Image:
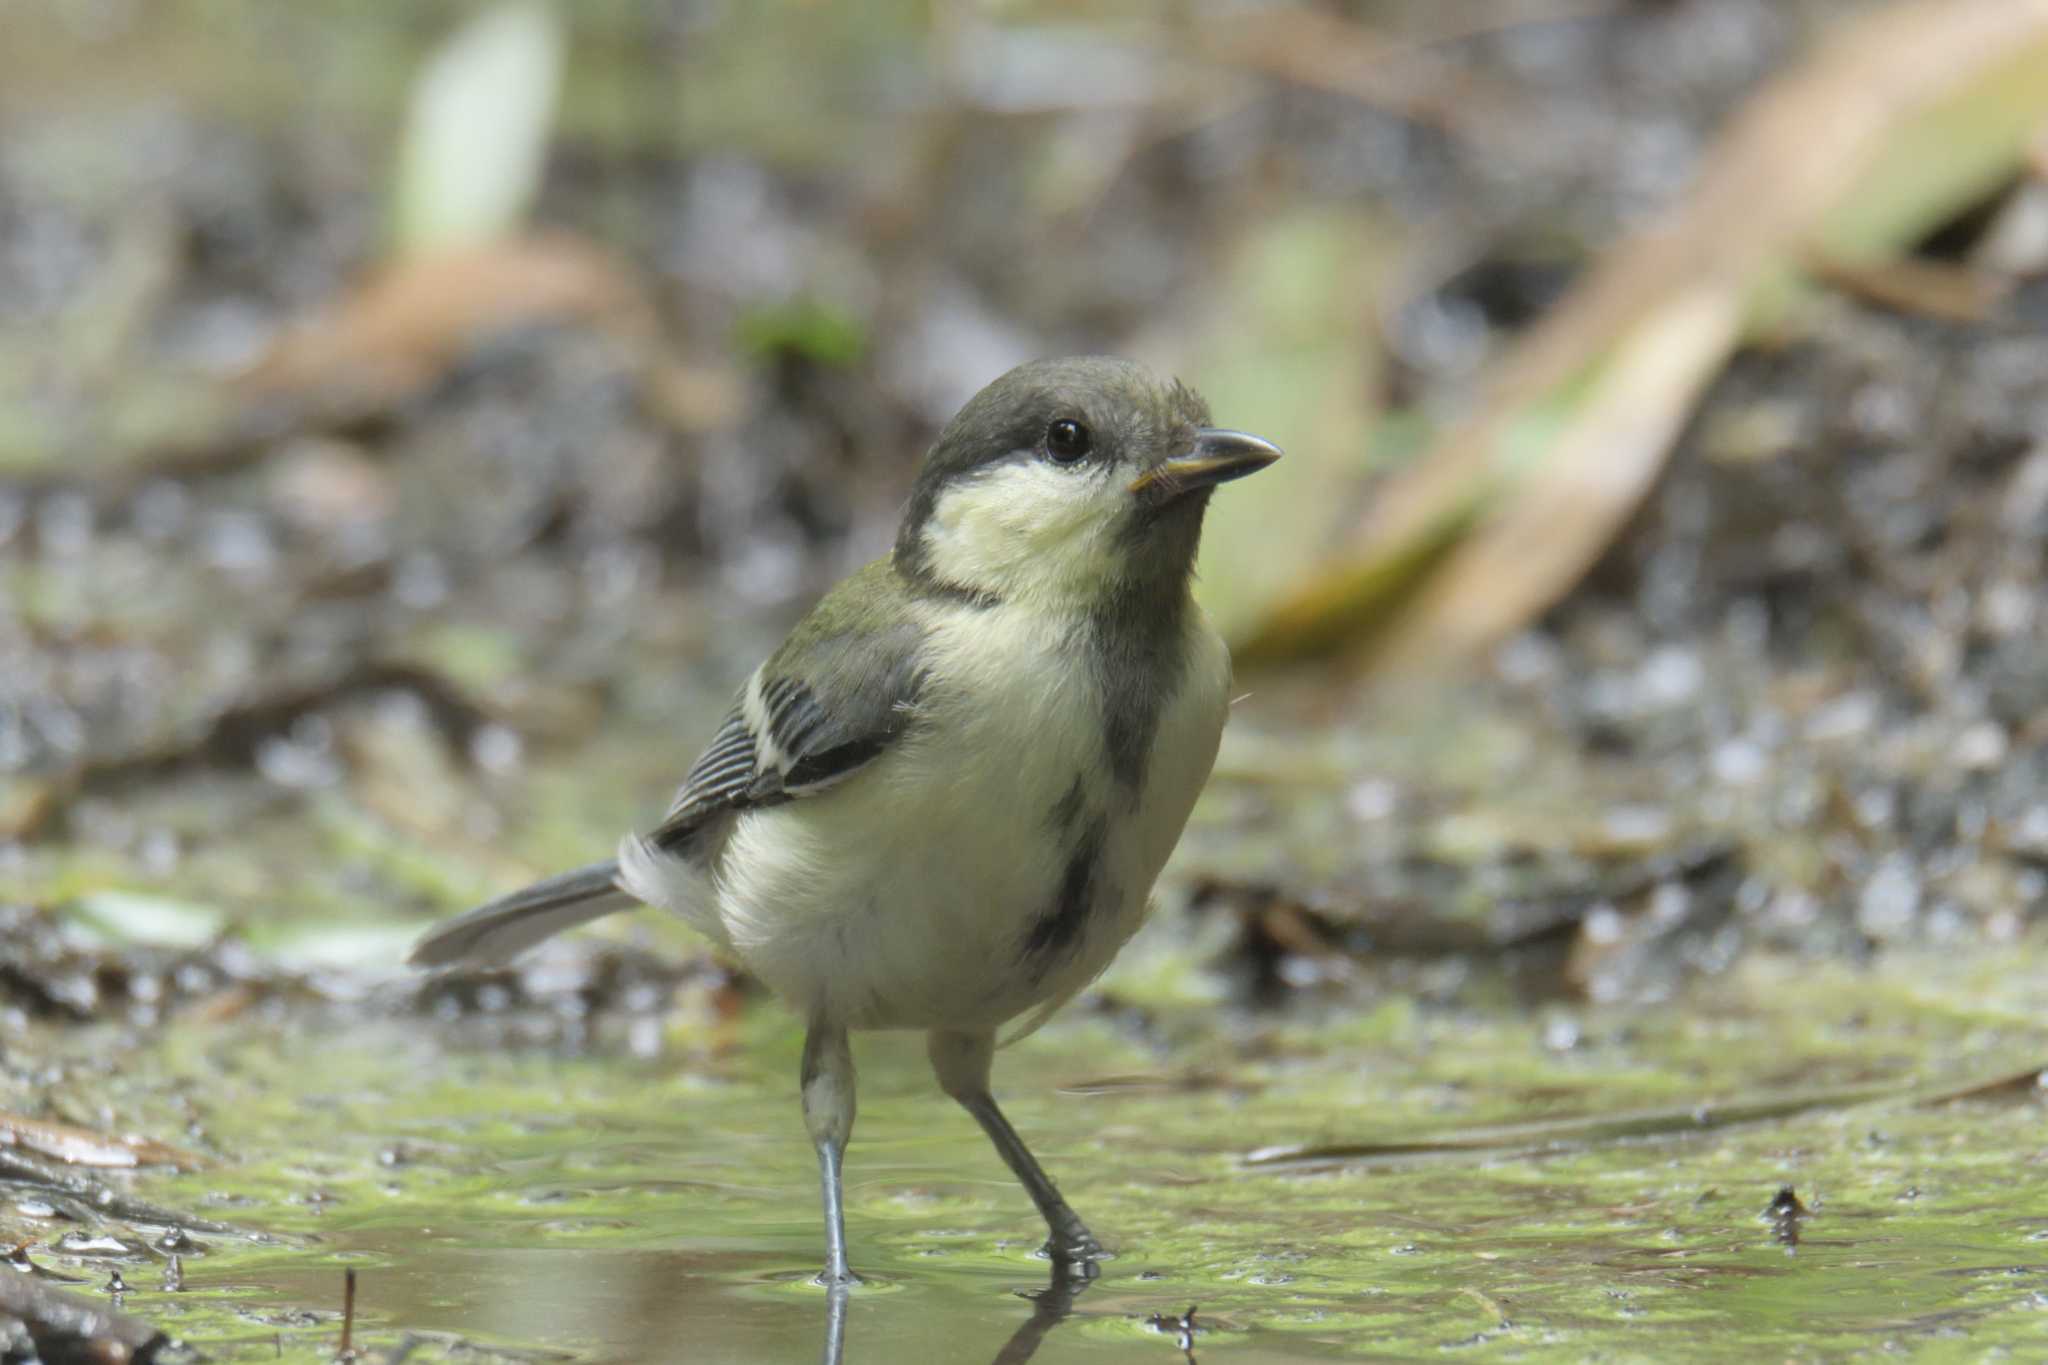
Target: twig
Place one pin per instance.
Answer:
(1322, 52)
(348, 1315)
(1586, 1130)
(234, 734)
(20, 1168)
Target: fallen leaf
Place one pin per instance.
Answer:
(129, 918)
(477, 131)
(404, 326)
(1928, 289)
(83, 1147)
(1892, 126)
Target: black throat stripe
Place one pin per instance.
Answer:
(1134, 649)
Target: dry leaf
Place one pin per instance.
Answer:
(1928, 289)
(404, 326)
(1894, 124)
(83, 1147)
(476, 134)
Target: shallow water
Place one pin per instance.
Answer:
(604, 1207)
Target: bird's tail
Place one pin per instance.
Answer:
(508, 926)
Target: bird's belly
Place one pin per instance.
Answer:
(904, 905)
(951, 884)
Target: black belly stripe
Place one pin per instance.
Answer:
(1060, 927)
(1066, 812)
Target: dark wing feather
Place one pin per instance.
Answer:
(829, 702)
(716, 781)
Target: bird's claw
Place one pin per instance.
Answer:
(1077, 1250)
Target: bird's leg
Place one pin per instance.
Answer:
(961, 1062)
(828, 1114)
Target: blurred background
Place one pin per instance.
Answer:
(416, 419)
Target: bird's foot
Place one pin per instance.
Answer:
(842, 1278)
(1076, 1249)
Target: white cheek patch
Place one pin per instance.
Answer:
(1026, 528)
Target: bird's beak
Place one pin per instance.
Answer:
(1219, 456)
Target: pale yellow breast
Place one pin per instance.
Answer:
(900, 898)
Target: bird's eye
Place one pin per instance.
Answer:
(1067, 440)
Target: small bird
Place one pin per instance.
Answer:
(942, 802)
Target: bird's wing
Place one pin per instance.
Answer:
(841, 689)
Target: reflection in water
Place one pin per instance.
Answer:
(835, 1322)
(1049, 1307)
(1785, 1214)
(1183, 1329)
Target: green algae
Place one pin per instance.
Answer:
(614, 1206)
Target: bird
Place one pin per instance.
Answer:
(942, 802)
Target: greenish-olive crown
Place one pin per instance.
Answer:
(1091, 414)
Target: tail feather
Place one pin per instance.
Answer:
(508, 926)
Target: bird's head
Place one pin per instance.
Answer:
(1066, 480)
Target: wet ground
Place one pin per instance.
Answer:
(1491, 1021)
(591, 1203)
